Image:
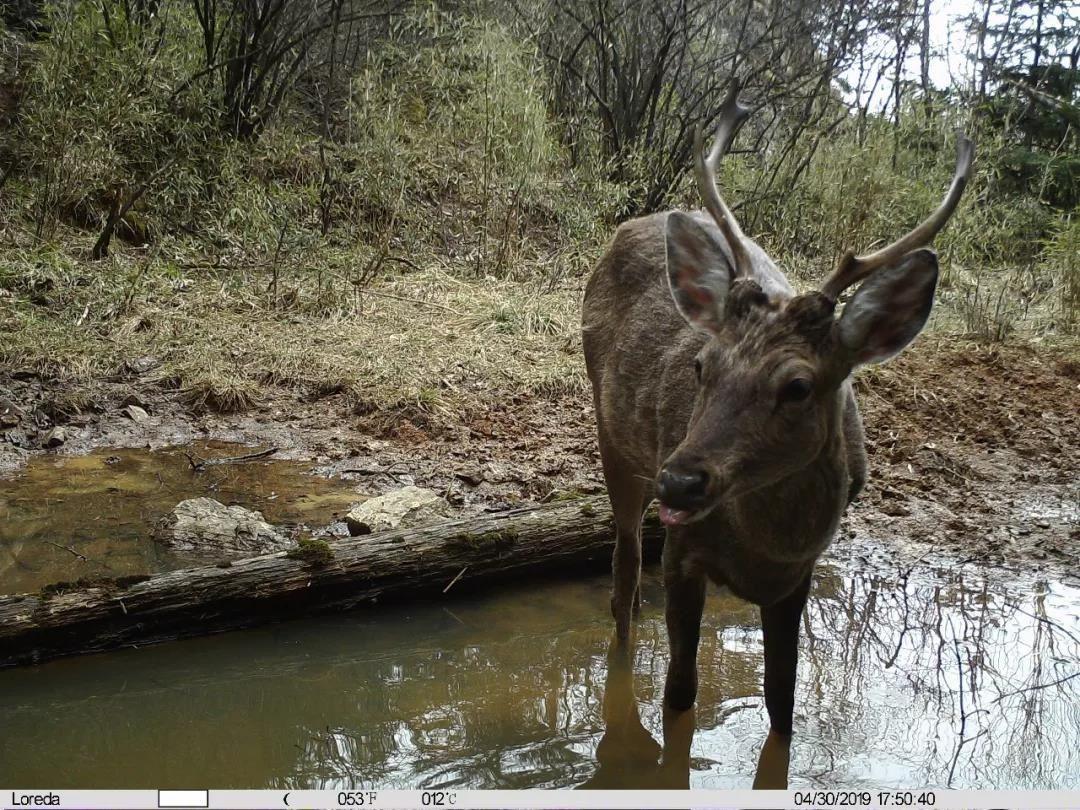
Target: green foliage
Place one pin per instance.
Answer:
(98, 118)
(866, 183)
(1063, 256)
(1035, 114)
(444, 139)
(450, 142)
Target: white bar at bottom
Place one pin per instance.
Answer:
(449, 799)
(183, 798)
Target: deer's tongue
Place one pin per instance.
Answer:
(672, 517)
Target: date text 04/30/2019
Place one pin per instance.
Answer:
(864, 798)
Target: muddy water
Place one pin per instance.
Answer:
(103, 506)
(915, 677)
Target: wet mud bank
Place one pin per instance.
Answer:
(973, 449)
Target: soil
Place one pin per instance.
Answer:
(974, 450)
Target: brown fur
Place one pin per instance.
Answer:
(788, 473)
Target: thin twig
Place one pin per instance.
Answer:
(453, 616)
(1045, 620)
(68, 549)
(1037, 686)
(963, 716)
(404, 261)
(388, 472)
(461, 573)
(411, 300)
(201, 464)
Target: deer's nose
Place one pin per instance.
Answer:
(682, 488)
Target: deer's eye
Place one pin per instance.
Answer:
(697, 369)
(796, 390)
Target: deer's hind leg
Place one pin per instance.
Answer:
(627, 493)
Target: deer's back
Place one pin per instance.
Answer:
(631, 335)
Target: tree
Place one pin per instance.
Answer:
(1029, 90)
(650, 71)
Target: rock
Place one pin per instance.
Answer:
(141, 365)
(10, 414)
(135, 413)
(204, 526)
(135, 398)
(402, 508)
(497, 472)
(473, 477)
(55, 437)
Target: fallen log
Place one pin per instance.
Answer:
(438, 561)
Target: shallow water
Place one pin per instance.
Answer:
(927, 677)
(103, 506)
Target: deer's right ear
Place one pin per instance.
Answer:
(699, 272)
(889, 309)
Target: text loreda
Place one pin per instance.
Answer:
(35, 799)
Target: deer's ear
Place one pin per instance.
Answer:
(698, 271)
(889, 309)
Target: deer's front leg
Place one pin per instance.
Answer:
(685, 599)
(780, 625)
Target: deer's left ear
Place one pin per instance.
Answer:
(698, 270)
(889, 309)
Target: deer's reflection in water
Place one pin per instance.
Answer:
(629, 757)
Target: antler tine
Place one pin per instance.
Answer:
(732, 114)
(853, 269)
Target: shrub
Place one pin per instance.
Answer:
(98, 124)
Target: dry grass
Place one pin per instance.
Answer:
(428, 338)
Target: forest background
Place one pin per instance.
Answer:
(397, 204)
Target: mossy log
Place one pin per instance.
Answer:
(440, 561)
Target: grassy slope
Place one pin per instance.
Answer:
(455, 265)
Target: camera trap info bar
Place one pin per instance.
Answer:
(375, 799)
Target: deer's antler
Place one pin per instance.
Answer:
(732, 114)
(853, 269)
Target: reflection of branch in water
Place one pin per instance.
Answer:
(963, 714)
(938, 632)
(1038, 686)
(904, 627)
(1043, 619)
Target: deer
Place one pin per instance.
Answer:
(727, 397)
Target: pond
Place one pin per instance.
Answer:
(66, 517)
(927, 676)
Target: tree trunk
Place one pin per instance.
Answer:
(455, 557)
(924, 57)
(101, 246)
